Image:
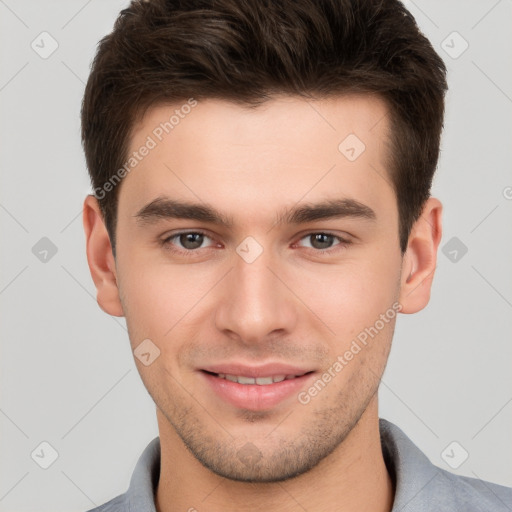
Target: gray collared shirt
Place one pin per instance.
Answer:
(420, 486)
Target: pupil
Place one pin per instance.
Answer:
(321, 240)
(191, 240)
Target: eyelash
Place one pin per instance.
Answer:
(166, 243)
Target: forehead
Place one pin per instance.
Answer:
(258, 159)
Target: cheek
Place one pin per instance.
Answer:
(353, 295)
(157, 297)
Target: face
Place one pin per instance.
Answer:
(256, 245)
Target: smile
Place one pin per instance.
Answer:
(256, 392)
(260, 381)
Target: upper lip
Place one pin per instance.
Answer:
(265, 370)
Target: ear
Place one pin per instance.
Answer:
(101, 260)
(420, 258)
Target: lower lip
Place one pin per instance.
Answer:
(253, 396)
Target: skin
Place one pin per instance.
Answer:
(296, 303)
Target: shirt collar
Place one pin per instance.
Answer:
(413, 475)
(140, 496)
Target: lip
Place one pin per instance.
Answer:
(266, 370)
(256, 397)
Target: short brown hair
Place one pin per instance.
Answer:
(163, 51)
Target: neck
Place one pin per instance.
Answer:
(352, 477)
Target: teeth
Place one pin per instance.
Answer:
(261, 381)
(246, 380)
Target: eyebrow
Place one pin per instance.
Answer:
(167, 208)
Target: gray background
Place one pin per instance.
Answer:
(67, 374)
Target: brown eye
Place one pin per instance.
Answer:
(186, 242)
(191, 241)
(321, 240)
(324, 242)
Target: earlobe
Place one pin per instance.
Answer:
(100, 258)
(420, 259)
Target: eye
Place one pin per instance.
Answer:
(187, 241)
(322, 241)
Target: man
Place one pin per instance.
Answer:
(261, 214)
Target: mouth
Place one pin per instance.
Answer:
(256, 389)
(259, 381)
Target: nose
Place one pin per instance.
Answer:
(257, 303)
